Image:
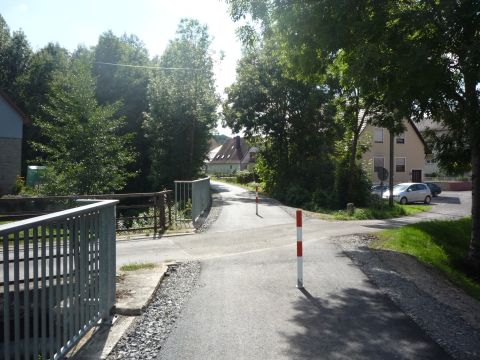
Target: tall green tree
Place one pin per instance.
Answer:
(182, 106)
(34, 85)
(84, 153)
(127, 84)
(293, 119)
(15, 54)
(308, 52)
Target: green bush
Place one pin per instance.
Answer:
(245, 177)
(360, 194)
(296, 196)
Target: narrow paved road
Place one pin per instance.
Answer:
(247, 306)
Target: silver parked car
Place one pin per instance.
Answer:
(410, 192)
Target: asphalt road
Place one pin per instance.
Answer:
(247, 306)
(238, 230)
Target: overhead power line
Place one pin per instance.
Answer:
(148, 67)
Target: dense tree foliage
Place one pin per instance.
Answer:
(293, 121)
(127, 84)
(179, 106)
(84, 153)
(15, 54)
(182, 106)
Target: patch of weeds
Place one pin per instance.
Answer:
(137, 266)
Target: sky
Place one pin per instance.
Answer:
(71, 23)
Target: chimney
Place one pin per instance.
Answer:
(238, 147)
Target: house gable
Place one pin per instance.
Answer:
(409, 152)
(11, 118)
(231, 152)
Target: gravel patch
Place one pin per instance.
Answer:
(146, 336)
(213, 213)
(447, 314)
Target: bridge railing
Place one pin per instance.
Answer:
(192, 198)
(136, 212)
(60, 283)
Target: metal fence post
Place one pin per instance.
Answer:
(103, 265)
(169, 204)
(162, 212)
(155, 215)
(112, 254)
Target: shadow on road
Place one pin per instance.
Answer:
(356, 324)
(446, 200)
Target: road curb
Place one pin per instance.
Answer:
(138, 307)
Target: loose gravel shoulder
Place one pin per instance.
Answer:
(447, 314)
(213, 213)
(147, 335)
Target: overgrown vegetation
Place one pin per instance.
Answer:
(440, 244)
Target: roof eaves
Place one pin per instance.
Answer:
(25, 118)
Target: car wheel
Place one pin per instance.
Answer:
(434, 194)
(427, 200)
(403, 200)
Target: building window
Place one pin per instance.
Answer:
(378, 163)
(401, 138)
(400, 164)
(430, 162)
(378, 135)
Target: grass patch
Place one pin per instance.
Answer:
(384, 212)
(233, 180)
(137, 266)
(441, 244)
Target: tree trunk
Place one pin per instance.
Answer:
(390, 169)
(472, 117)
(351, 166)
(474, 248)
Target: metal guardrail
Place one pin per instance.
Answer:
(192, 198)
(66, 283)
(135, 211)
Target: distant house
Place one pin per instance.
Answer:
(12, 120)
(431, 167)
(410, 153)
(234, 155)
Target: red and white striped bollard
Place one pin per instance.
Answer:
(299, 251)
